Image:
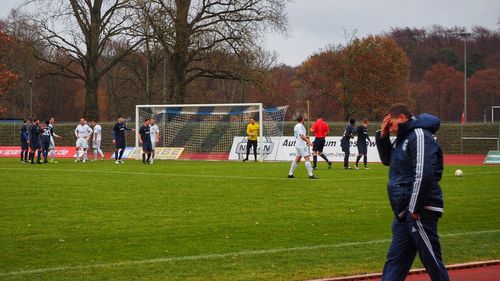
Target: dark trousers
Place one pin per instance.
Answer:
(408, 238)
(250, 144)
(347, 153)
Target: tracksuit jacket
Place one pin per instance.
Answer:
(416, 166)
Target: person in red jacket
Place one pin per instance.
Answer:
(320, 129)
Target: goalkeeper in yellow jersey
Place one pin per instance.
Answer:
(252, 135)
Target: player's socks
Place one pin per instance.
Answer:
(255, 154)
(149, 158)
(357, 159)
(38, 156)
(32, 156)
(365, 160)
(78, 154)
(315, 161)
(324, 157)
(116, 154)
(25, 156)
(292, 168)
(309, 168)
(144, 158)
(52, 154)
(121, 154)
(22, 155)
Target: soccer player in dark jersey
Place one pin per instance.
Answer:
(47, 135)
(24, 142)
(145, 140)
(345, 142)
(320, 129)
(119, 139)
(34, 141)
(362, 132)
(52, 148)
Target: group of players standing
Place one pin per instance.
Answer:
(38, 138)
(321, 129)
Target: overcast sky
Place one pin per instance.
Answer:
(317, 23)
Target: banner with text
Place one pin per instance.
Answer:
(162, 153)
(15, 151)
(283, 149)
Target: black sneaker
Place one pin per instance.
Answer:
(245, 160)
(313, 177)
(291, 176)
(330, 165)
(347, 168)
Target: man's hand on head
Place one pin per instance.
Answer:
(384, 127)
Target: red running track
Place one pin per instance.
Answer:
(485, 273)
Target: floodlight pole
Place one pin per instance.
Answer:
(31, 98)
(464, 36)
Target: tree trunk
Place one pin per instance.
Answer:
(91, 99)
(179, 58)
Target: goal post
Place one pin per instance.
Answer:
(207, 131)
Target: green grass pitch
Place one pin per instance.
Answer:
(179, 220)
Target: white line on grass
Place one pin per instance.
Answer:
(186, 175)
(209, 176)
(224, 255)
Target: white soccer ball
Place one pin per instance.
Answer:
(459, 173)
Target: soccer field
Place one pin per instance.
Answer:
(219, 220)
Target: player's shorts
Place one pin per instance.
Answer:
(345, 144)
(35, 144)
(318, 144)
(82, 143)
(252, 143)
(303, 151)
(362, 148)
(96, 144)
(52, 143)
(45, 144)
(24, 144)
(120, 144)
(147, 147)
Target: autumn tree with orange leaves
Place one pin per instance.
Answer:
(361, 79)
(7, 77)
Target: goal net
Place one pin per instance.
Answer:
(206, 131)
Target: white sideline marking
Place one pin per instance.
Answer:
(225, 255)
(211, 176)
(188, 175)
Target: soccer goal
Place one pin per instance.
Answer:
(207, 131)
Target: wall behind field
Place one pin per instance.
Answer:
(448, 136)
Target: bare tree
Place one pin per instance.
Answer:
(195, 32)
(83, 30)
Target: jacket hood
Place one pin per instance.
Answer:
(425, 121)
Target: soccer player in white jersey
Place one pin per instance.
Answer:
(52, 147)
(97, 140)
(154, 133)
(302, 144)
(82, 133)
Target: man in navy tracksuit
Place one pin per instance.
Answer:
(416, 166)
